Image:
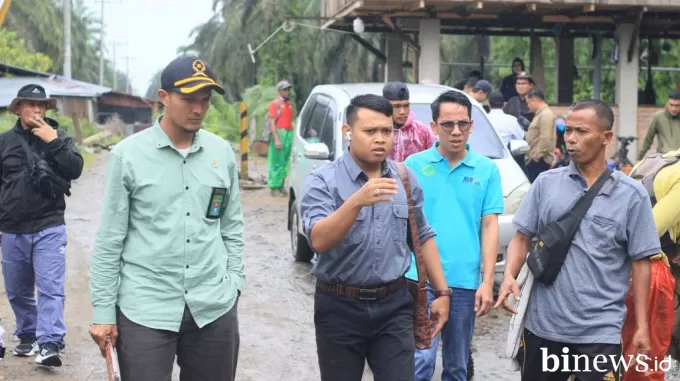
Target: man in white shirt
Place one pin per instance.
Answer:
(506, 125)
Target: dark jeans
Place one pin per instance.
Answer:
(350, 332)
(203, 354)
(543, 360)
(535, 168)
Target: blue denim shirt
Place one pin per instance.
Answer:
(375, 249)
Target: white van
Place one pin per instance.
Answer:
(318, 140)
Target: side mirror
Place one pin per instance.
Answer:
(518, 147)
(316, 151)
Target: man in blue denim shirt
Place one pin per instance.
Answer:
(355, 216)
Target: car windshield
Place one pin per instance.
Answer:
(483, 140)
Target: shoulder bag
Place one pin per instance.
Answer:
(547, 256)
(421, 319)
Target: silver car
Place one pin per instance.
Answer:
(318, 140)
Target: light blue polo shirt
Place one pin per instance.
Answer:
(456, 199)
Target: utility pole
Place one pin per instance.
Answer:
(127, 59)
(101, 48)
(67, 38)
(113, 64)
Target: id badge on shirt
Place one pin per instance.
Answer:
(218, 199)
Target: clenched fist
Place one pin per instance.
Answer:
(375, 190)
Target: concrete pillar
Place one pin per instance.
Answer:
(536, 65)
(564, 93)
(596, 44)
(429, 61)
(627, 86)
(394, 70)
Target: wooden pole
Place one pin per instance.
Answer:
(76, 128)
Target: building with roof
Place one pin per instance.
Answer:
(417, 25)
(84, 100)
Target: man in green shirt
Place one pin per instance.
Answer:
(665, 127)
(167, 266)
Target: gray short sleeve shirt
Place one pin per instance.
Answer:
(375, 250)
(586, 303)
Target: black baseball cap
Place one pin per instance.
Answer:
(483, 86)
(396, 91)
(188, 74)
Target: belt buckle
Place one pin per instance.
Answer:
(368, 294)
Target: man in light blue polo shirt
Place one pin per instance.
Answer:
(463, 198)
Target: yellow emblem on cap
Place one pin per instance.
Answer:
(214, 163)
(199, 67)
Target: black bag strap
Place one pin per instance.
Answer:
(581, 207)
(29, 154)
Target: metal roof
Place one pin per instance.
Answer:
(55, 86)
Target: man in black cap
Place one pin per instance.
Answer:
(410, 135)
(167, 265)
(37, 164)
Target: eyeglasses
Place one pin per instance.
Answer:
(463, 125)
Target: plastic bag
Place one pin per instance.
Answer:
(661, 319)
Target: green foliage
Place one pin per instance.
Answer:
(222, 119)
(13, 51)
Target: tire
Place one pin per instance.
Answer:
(471, 367)
(299, 245)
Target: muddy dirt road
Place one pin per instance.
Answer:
(275, 311)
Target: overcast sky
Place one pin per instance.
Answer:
(149, 32)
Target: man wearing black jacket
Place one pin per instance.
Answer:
(32, 222)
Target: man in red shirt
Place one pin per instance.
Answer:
(281, 124)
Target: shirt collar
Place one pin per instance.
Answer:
(606, 189)
(162, 140)
(434, 156)
(355, 171)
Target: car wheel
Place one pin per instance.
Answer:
(301, 250)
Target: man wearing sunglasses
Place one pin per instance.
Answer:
(463, 199)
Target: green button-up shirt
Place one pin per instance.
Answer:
(156, 252)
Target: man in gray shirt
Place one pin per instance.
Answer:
(355, 216)
(582, 312)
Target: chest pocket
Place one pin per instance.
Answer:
(399, 221)
(604, 232)
(359, 230)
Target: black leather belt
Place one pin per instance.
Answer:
(363, 293)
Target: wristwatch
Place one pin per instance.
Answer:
(444, 292)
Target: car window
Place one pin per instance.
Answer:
(483, 139)
(327, 130)
(307, 113)
(313, 129)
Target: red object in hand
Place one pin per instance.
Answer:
(661, 318)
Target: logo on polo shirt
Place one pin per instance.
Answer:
(428, 170)
(471, 180)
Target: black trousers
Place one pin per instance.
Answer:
(350, 332)
(543, 360)
(203, 354)
(535, 168)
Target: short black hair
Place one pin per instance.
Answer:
(674, 96)
(450, 96)
(369, 101)
(602, 111)
(496, 100)
(536, 93)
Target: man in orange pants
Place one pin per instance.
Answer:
(661, 176)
